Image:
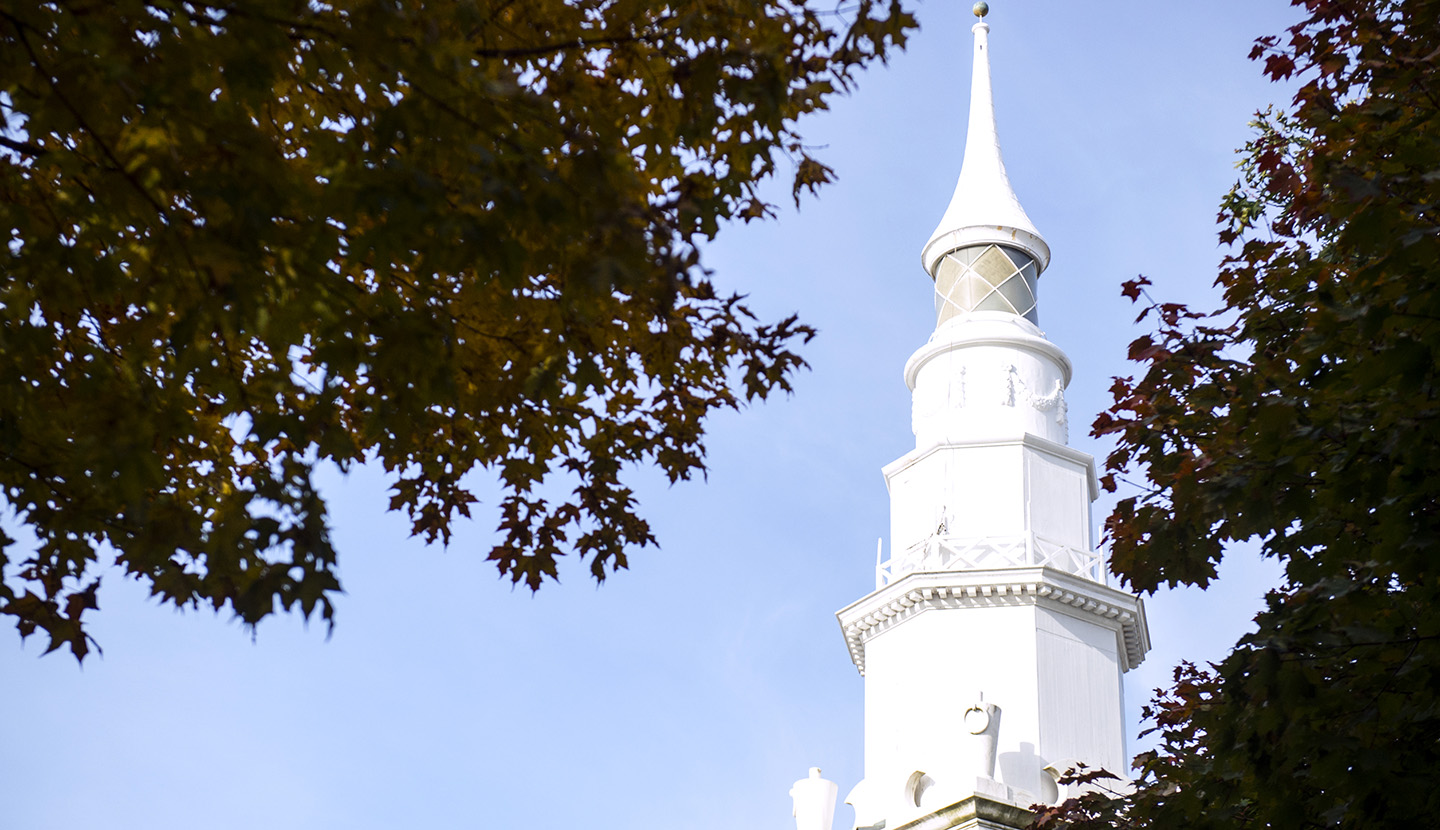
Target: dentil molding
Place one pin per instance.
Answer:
(916, 593)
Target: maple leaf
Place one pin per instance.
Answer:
(1305, 424)
(350, 232)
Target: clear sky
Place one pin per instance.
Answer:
(692, 690)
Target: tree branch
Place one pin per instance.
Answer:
(22, 147)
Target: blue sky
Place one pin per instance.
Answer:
(692, 690)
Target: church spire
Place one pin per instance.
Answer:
(984, 210)
(994, 591)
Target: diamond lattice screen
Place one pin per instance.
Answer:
(986, 278)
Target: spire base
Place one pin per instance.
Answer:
(1027, 241)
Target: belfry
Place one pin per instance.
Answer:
(992, 647)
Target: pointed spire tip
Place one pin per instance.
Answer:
(984, 208)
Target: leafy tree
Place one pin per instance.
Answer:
(247, 238)
(1304, 414)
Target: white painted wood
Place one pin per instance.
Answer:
(993, 590)
(813, 802)
(984, 208)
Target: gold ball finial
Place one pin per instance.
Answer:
(981, 9)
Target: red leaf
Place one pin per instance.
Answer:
(1134, 288)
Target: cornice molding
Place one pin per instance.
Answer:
(981, 331)
(976, 811)
(974, 235)
(916, 593)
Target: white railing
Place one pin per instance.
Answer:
(956, 553)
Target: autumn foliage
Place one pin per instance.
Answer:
(248, 239)
(1305, 415)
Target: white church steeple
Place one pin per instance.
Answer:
(993, 600)
(984, 208)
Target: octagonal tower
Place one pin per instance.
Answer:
(992, 647)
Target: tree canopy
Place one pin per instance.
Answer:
(249, 238)
(1304, 414)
